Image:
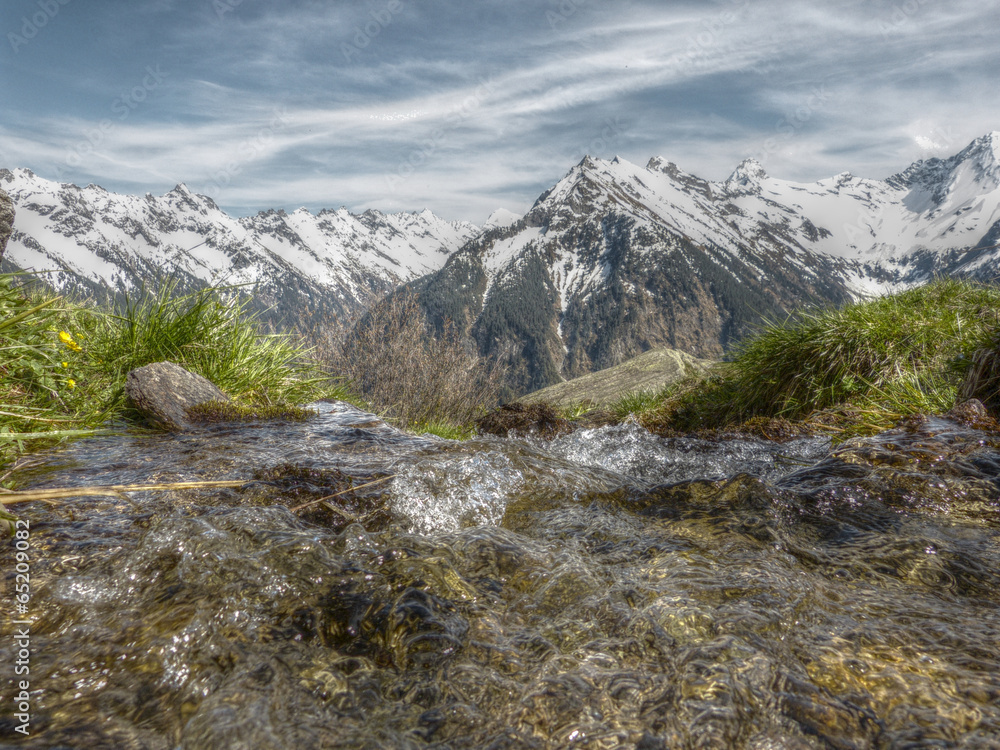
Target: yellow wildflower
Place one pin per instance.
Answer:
(64, 364)
(70, 343)
(71, 383)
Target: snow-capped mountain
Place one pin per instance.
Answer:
(297, 264)
(613, 260)
(878, 226)
(618, 258)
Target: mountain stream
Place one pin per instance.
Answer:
(367, 588)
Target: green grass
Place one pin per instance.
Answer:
(44, 382)
(575, 410)
(63, 365)
(637, 402)
(211, 336)
(865, 365)
(443, 429)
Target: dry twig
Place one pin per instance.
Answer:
(55, 493)
(342, 492)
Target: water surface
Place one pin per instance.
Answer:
(608, 589)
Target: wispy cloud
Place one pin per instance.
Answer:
(462, 107)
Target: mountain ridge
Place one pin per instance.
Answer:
(616, 259)
(612, 260)
(327, 264)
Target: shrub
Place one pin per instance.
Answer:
(392, 360)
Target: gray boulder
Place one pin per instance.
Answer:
(164, 391)
(6, 220)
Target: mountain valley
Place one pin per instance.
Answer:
(614, 260)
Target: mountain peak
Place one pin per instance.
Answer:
(500, 218)
(985, 150)
(749, 168)
(182, 197)
(746, 178)
(980, 159)
(659, 164)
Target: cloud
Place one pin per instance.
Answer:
(462, 107)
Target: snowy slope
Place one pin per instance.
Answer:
(878, 227)
(613, 260)
(119, 242)
(618, 258)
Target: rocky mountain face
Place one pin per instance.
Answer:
(6, 220)
(614, 260)
(617, 259)
(298, 268)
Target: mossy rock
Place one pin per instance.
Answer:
(537, 419)
(651, 371)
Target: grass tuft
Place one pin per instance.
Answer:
(63, 364)
(871, 363)
(211, 336)
(638, 402)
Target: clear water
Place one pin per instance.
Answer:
(609, 589)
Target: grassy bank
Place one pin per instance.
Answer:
(63, 364)
(852, 370)
(857, 369)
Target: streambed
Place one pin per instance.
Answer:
(606, 589)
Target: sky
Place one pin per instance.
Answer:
(466, 106)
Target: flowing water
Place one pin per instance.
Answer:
(608, 589)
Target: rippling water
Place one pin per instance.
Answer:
(606, 589)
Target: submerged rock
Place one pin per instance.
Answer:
(164, 393)
(973, 413)
(325, 497)
(6, 220)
